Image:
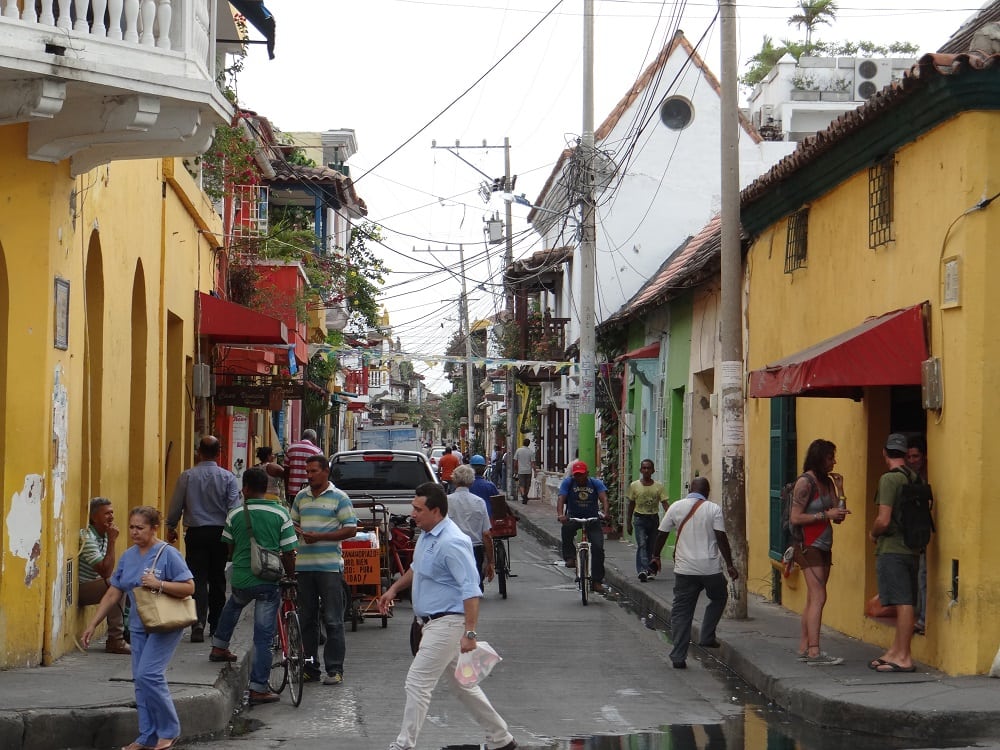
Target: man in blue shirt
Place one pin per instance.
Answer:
(446, 605)
(583, 496)
(482, 486)
(205, 494)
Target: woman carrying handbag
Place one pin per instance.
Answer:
(152, 564)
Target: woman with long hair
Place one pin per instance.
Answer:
(275, 473)
(159, 726)
(817, 500)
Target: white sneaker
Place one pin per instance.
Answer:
(824, 660)
(334, 678)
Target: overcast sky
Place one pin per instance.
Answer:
(386, 68)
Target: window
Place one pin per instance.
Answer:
(880, 179)
(676, 113)
(795, 247)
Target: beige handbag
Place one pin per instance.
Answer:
(161, 612)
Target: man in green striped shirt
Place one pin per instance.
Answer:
(324, 517)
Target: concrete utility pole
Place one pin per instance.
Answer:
(510, 380)
(469, 396)
(463, 313)
(588, 251)
(731, 380)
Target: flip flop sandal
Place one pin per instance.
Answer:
(874, 664)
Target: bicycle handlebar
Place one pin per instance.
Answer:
(586, 520)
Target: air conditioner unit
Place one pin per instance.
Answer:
(870, 77)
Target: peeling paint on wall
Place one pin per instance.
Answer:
(60, 430)
(24, 525)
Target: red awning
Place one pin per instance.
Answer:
(228, 323)
(649, 351)
(882, 351)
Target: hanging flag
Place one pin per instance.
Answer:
(260, 18)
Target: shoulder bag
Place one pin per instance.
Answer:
(264, 563)
(677, 537)
(161, 612)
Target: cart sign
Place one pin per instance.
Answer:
(361, 567)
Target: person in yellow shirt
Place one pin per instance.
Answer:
(645, 497)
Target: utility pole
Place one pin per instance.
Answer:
(463, 323)
(731, 380)
(588, 251)
(486, 190)
(510, 380)
(469, 396)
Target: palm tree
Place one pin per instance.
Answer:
(813, 13)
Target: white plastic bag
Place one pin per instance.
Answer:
(474, 666)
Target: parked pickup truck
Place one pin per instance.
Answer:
(388, 477)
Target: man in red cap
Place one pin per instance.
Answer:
(583, 496)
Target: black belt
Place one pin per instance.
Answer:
(427, 618)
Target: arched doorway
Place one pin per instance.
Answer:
(137, 394)
(93, 371)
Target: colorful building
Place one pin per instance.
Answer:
(868, 279)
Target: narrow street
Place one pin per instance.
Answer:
(568, 671)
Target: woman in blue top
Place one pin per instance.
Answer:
(159, 727)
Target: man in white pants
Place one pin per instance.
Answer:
(446, 604)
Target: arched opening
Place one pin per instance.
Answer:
(4, 326)
(137, 394)
(93, 370)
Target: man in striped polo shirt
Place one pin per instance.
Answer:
(295, 461)
(324, 517)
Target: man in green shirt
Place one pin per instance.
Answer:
(273, 529)
(895, 563)
(645, 497)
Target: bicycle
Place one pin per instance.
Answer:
(501, 563)
(583, 578)
(502, 528)
(288, 660)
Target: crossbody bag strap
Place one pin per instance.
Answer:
(694, 509)
(246, 517)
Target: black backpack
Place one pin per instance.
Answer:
(912, 511)
(794, 532)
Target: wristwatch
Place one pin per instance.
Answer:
(470, 634)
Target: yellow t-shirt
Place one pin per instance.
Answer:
(647, 498)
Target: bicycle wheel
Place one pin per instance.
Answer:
(500, 565)
(583, 571)
(278, 677)
(296, 658)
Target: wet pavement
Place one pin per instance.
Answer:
(86, 700)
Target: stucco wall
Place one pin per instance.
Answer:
(938, 177)
(61, 444)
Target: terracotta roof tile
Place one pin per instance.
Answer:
(929, 68)
(960, 40)
(342, 185)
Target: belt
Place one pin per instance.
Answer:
(427, 618)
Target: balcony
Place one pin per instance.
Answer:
(103, 80)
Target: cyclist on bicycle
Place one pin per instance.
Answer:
(583, 496)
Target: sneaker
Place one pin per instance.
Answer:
(570, 562)
(650, 576)
(334, 678)
(643, 577)
(197, 634)
(311, 675)
(682, 664)
(597, 588)
(824, 660)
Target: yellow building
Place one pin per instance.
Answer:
(97, 306)
(890, 209)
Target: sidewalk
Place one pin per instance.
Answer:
(926, 705)
(87, 700)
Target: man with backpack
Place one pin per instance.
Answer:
(582, 496)
(896, 527)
